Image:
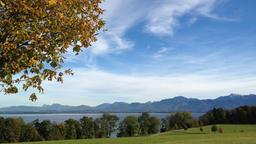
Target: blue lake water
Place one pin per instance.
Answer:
(62, 117)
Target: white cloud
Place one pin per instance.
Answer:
(119, 17)
(110, 43)
(165, 18)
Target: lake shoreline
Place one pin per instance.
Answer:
(85, 112)
(61, 117)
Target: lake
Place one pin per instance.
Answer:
(64, 116)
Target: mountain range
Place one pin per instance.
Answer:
(179, 103)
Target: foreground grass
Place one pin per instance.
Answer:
(233, 134)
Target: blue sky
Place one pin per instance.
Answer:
(157, 49)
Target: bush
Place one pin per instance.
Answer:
(201, 129)
(214, 128)
(180, 120)
(220, 130)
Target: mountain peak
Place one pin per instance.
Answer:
(234, 95)
(180, 98)
(175, 98)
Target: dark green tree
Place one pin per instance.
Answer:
(240, 115)
(73, 129)
(129, 127)
(87, 127)
(55, 133)
(154, 126)
(62, 130)
(214, 128)
(98, 130)
(29, 133)
(181, 120)
(108, 123)
(44, 128)
(144, 122)
(164, 125)
(12, 129)
(2, 125)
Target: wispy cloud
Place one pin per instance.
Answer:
(160, 18)
(161, 52)
(164, 19)
(110, 43)
(119, 17)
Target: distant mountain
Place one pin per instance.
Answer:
(175, 104)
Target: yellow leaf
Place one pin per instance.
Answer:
(61, 15)
(1, 3)
(33, 61)
(52, 2)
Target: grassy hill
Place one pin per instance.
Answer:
(233, 134)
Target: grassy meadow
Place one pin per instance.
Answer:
(232, 134)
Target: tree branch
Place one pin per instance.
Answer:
(23, 44)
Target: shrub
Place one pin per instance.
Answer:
(220, 130)
(214, 128)
(201, 129)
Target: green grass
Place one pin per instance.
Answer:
(232, 135)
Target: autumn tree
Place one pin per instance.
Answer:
(35, 35)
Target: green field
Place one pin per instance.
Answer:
(233, 134)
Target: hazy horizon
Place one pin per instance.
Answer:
(128, 102)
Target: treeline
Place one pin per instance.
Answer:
(146, 124)
(240, 115)
(184, 120)
(16, 130)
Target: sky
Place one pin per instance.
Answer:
(159, 49)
